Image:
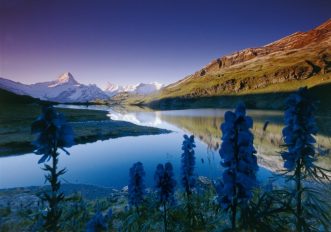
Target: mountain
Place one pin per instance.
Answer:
(138, 89)
(300, 59)
(64, 89)
(144, 89)
(113, 89)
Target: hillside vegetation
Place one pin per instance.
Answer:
(301, 59)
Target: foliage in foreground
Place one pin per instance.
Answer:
(196, 207)
(269, 210)
(299, 160)
(165, 184)
(53, 133)
(240, 163)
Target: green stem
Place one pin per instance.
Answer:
(189, 209)
(137, 209)
(299, 196)
(235, 199)
(53, 216)
(234, 214)
(165, 217)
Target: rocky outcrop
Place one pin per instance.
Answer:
(300, 71)
(324, 62)
(296, 57)
(300, 59)
(297, 40)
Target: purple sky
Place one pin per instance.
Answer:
(127, 42)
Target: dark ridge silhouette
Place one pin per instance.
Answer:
(270, 101)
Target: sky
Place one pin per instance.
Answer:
(128, 42)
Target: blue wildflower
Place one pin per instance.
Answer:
(238, 159)
(97, 223)
(188, 164)
(136, 184)
(165, 183)
(299, 130)
(52, 132)
(110, 213)
(237, 152)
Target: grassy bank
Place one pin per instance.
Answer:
(274, 100)
(88, 126)
(21, 209)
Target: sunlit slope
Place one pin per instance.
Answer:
(301, 59)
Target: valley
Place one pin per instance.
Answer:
(165, 116)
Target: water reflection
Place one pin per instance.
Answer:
(106, 163)
(205, 123)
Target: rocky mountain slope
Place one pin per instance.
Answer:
(64, 89)
(300, 59)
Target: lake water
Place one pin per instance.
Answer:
(107, 163)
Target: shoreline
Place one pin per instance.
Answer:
(88, 125)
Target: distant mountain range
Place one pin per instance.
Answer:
(113, 89)
(138, 89)
(65, 89)
(300, 59)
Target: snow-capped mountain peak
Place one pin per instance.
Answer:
(129, 88)
(157, 85)
(111, 87)
(65, 78)
(141, 88)
(64, 89)
(148, 88)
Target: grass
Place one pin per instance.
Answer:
(81, 205)
(83, 201)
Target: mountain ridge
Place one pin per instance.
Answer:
(64, 89)
(300, 59)
(138, 89)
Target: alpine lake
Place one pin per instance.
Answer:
(106, 162)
